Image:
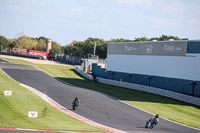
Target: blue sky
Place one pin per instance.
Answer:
(68, 20)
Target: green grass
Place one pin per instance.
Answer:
(168, 108)
(18, 61)
(14, 111)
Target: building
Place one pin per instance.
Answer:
(48, 45)
(170, 65)
(173, 59)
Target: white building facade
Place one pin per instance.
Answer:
(171, 59)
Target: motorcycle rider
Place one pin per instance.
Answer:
(76, 101)
(152, 121)
(156, 119)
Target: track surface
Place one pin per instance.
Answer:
(93, 105)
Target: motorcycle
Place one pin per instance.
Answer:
(150, 124)
(74, 105)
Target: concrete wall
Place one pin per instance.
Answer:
(181, 67)
(166, 93)
(86, 75)
(153, 90)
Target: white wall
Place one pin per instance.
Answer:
(183, 67)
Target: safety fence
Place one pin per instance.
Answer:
(153, 90)
(69, 59)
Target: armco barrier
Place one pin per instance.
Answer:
(153, 90)
(86, 75)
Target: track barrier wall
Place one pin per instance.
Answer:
(134, 86)
(172, 84)
(86, 75)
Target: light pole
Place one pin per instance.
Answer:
(94, 47)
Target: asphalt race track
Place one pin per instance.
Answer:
(93, 105)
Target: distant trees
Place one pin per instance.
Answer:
(165, 37)
(57, 48)
(120, 40)
(139, 39)
(83, 48)
(29, 43)
(52, 53)
(25, 43)
(41, 43)
(11, 43)
(76, 48)
(3, 42)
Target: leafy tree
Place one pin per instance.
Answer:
(120, 40)
(57, 48)
(141, 39)
(82, 49)
(41, 44)
(25, 42)
(102, 50)
(3, 42)
(11, 43)
(165, 37)
(52, 53)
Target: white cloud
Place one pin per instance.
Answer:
(135, 2)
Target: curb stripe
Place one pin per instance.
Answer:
(64, 110)
(68, 112)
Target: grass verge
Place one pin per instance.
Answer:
(168, 108)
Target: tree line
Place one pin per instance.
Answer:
(83, 48)
(76, 48)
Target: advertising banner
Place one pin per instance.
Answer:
(165, 48)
